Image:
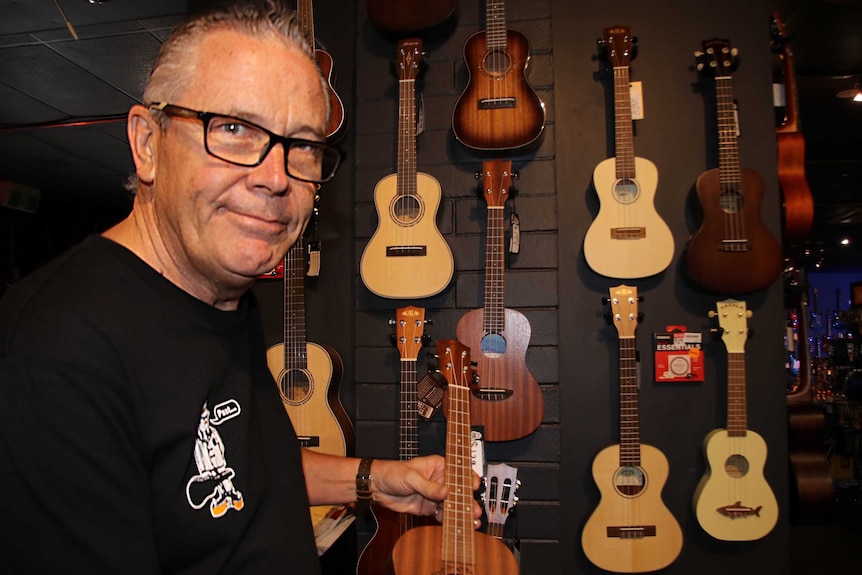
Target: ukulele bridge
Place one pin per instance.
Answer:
(631, 531)
(497, 103)
(734, 245)
(405, 251)
(492, 393)
(628, 233)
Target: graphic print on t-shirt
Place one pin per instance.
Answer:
(214, 482)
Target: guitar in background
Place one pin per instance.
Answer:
(507, 401)
(498, 110)
(631, 529)
(732, 252)
(337, 124)
(628, 239)
(409, 333)
(501, 486)
(407, 257)
(733, 501)
(454, 547)
(308, 374)
(409, 16)
(798, 203)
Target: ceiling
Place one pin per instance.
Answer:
(48, 80)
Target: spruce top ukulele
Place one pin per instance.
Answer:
(507, 400)
(732, 252)
(337, 123)
(628, 239)
(733, 501)
(407, 257)
(498, 110)
(631, 530)
(455, 547)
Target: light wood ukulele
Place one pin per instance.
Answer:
(628, 238)
(337, 122)
(407, 257)
(498, 110)
(409, 331)
(507, 401)
(631, 530)
(308, 374)
(454, 547)
(733, 501)
(501, 487)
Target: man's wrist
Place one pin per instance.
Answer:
(363, 485)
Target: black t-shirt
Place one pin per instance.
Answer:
(140, 429)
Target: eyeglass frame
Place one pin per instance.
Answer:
(286, 142)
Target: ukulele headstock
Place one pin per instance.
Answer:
(717, 58)
(619, 46)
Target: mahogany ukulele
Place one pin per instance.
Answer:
(732, 252)
(454, 547)
(507, 400)
(498, 110)
(409, 16)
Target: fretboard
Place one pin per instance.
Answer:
(728, 149)
(630, 443)
(495, 25)
(458, 553)
(494, 317)
(624, 142)
(406, 179)
(295, 350)
(737, 416)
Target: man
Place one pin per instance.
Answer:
(140, 429)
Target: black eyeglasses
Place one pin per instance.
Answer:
(243, 143)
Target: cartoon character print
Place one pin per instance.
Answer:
(214, 482)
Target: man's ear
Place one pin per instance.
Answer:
(143, 132)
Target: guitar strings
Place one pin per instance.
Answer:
(730, 180)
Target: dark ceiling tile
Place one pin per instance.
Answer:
(50, 78)
(19, 108)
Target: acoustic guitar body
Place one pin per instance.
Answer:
(337, 125)
(733, 501)
(405, 222)
(605, 540)
(498, 110)
(418, 552)
(732, 252)
(311, 398)
(798, 202)
(376, 557)
(628, 239)
(406, 16)
(519, 411)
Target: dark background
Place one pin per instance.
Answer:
(47, 77)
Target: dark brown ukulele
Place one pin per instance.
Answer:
(409, 16)
(454, 547)
(498, 110)
(337, 124)
(375, 558)
(732, 252)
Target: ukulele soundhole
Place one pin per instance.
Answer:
(406, 210)
(493, 345)
(626, 191)
(295, 387)
(736, 466)
(496, 63)
(730, 201)
(629, 481)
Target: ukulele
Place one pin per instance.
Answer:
(732, 252)
(628, 239)
(454, 547)
(409, 16)
(308, 374)
(798, 202)
(374, 559)
(407, 256)
(501, 486)
(498, 110)
(337, 124)
(631, 529)
(507, 399)
(733, 501)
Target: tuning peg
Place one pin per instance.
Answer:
(640, 316)
(711, 314)
(606, 300)
(429, 322)
(698, 54)
(393, 322)
(426, 338)
(717, 330)
(393, 338)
